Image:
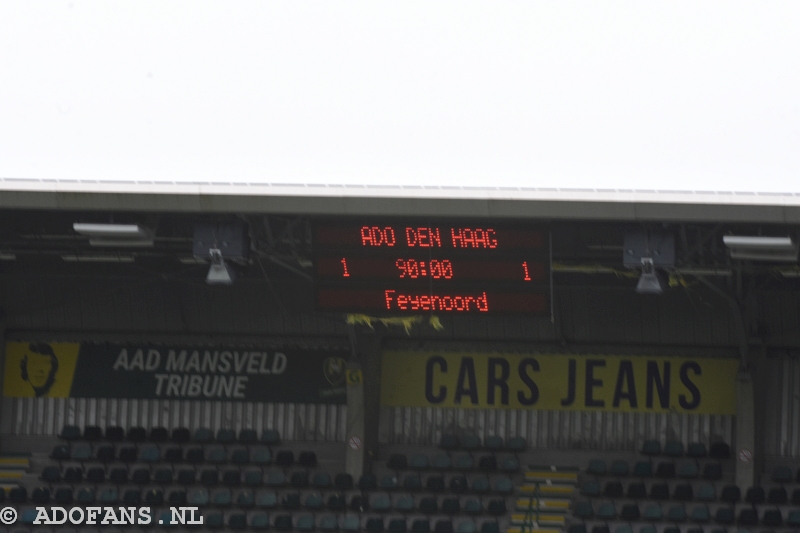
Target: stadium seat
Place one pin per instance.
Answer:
(688, 470)
(665, 470)
(209, 477)
(683, 492)
(154, 497)
(397, 525)
(51, 474)
(388, 482)
(516, 444)
(350, 523)
(195, 455)
(336, 502)
(493, 443)
(132, 497)
(747, 517)
(275, 478)
(180, 435)
(700, 514)
(653, 512)
(343, 481)
(173, 454)
(636, 491)
(451, 506)
(755, 495)
(419, 461)
(487, 463)
(731, 494)
(576, 528)
(290, 501)
(307, 459)
(619, 468)
(597, 467)
(216, 520)
(40, 495)
(259, 521)
(115, 434)
(458, 483)
(327, 522)
(673, 448)
(162, 476)
(225, 436)
(313, 501)
(583, 509)
(496, 507)
(651, 448)
(202, 436)
(613, 489)
(373, 524)
(404, 503)
(428, 505)
(470, 442)
(630, 512)
(724, 515)
(793, 519)
(70, 433)
(198, 497)
(712, 471)
(367, 482)
(463, 461)
(705, 492)
(358, 503)
(96, 475)
(473, 506)
(85, 496)
(118, 476)
(441, 461)
(321, 480)
(782, 474)
(216, 455)
(696, 450)
(128, 454)
(60, 453)
(643, 469)
(158, 434)
(606, 511)
(177, 497)
(503, 485)
(221, 497)
(720, 450)
(248, 436)
(772, 518)
(659, 491)
(795, 500)
(489, 527)
(465, 526)
(480, 484)
(601, 528)
(81, 451)
(777, 496)
(623, 528)
(591, 488)
(443, 526)
(237, 521)
(260, 455)
(676, 513)
(137, 434)
(397, 461)
(18, 495)
(149, 453)
(434, 484)
(412, 482)
(105, 453)
(270, 437)
(284, 458)
(509, 464)
(108, 495)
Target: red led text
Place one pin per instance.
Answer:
(435, 302)
(474, 238)
(375, 236)
(436, 269)
(423, 237)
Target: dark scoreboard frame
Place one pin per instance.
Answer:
(409, 266)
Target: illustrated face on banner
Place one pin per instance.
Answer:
(333, 368)
(39, 366)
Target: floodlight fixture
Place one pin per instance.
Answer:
(115, 234)
(219, 273)
(649, 281)
(760, 248)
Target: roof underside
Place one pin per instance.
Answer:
(536, 203)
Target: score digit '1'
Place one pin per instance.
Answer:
(346, 274)
(524, 267)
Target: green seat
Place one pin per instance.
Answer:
(404, 503)
(351, 523)
(466, 526)
(606, 511)
(441, 461)
(624, 528)
(328, 522)
(305, 522)
(509, 464)
(653, 512)
(705, 493)
(381, 502)
(647, 529)
(782, 474)
(676, 513)
(463, 461)
(397, 525)
(259, 520)
(793, 519)
(313, 501)
(597, 467)
(688, 470)
(700, 514)
(470, 442)
(266, 499)
(673, 448)
(591, 489)
(473, 506)
(419, 461)
(515, 445)
(503, 485)
(493, 443)
(388, 482)
(480, 484)
(260, 455)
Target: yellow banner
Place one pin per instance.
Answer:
(37, 369)
(559, 382)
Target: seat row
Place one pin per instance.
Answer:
(180, 435)
(696, 450)
(450, 441)
(328, 522)
(677, 513)
(664, 469)
(246, 498)
(443, 461)
(151, 453)
(626, 528)
(704, 492)
(255, 477)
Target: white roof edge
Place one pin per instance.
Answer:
(502, 202)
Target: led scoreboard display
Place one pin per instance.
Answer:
(411, 268)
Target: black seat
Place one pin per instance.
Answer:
(18, 495)
(397, 461)
(291, 501)
(195, 455)
(731, 494)
(367, 482)
(154, 497)
(343, 481)
(159, 434)
(248, 436)
(458, 483)
(141, 476)
(665, 470)
(659, 491)
(443, 526)
(92, 433)
(128, 454)
(118, 476)
(613, 489)
(637, 491)
(359, 503)
(683, 492)
(96, 474)
(720, 450)
(115, 434)
(106, 453)
(186, 476)
(284, 458)
(712, 471)
(209, 477)
(307, 459)
(772, 518)
(374, 525)
(63, 495)
(173, 454)
(163, 476)
(777, 496)
(796, 497)
(40, 495)
(231, 478)
(299, 479)
(137, 434)
(630, 512)
(497, 507)
(60, 453)
(336, 502)
(748, 517)
(73, 475)
(487, 463)
(434, 483)
(181, 435)
(755, 495)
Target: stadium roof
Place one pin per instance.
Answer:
(386, 200)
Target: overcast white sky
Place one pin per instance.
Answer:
(669, 95)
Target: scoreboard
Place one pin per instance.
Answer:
(390, 267)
